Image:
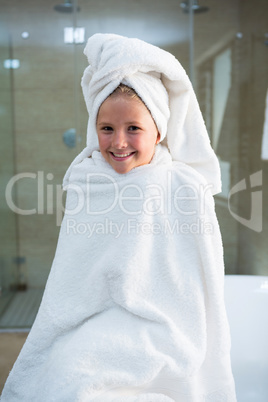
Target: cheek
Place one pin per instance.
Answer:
(103, 141)
(147, 148)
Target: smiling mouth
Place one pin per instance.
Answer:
(121, 156)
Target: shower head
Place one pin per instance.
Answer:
(66, 7)
(195, 7)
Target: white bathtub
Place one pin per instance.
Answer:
(246, 300)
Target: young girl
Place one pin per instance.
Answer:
(134, 305)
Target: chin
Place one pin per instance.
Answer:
(122, 171)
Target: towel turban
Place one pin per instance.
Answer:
(163, 85)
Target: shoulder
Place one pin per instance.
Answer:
(179, 173)
(162, 166)
(188, 183)
(186, 188)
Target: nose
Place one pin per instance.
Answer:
(119, 139)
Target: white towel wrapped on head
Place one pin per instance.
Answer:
(163, 85)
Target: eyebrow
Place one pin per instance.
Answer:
(130, 123)
(101, 123)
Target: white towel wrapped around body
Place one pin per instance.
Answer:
(133, 310)
(137, 312)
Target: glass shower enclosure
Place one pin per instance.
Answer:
(222, 45)
(9, 273)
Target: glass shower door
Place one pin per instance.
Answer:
(8, 232)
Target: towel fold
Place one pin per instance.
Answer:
(163, 85)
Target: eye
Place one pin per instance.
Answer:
(106, 128)
(133, 128)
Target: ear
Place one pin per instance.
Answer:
(158, 138)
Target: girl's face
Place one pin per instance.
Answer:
(127, 133)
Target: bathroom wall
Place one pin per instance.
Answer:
(8, 227)
(239, 27)
(43, 109)
(253, 250)
(215, 34)
(47, 101)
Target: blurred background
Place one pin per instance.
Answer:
(223, 45)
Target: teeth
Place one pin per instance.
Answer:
(121, 155)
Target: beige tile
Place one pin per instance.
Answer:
(44, 68)
(10, 346)
(42, 110)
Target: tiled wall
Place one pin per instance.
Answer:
(8, 235)
(253, 251)
(216, 31)
(48, 101)
(44, 107)
(241, 133)
(44, 110)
